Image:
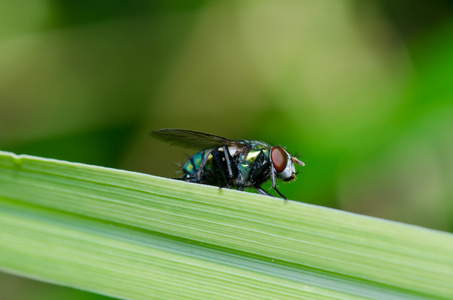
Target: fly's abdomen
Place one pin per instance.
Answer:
(191, 167)
(213, 172)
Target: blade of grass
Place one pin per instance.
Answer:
(138, 236)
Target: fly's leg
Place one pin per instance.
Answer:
(281, 195)
(261, 165)
(274, 185)
(261, 191)
(228, 162)
(220, 159)
(202, 165)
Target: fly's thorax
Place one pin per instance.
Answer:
(247, 160)
(233, 150)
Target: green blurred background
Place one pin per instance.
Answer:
(362, 89)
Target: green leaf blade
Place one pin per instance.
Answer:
(143, 235)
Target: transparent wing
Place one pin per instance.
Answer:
(192, 139)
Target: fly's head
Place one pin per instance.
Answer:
(283, 163)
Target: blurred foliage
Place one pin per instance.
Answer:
(362, 90)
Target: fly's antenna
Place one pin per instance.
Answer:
(296, 161)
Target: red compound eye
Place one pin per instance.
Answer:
(279, 158)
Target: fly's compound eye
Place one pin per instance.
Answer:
(279, 159)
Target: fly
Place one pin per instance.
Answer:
(231, 163)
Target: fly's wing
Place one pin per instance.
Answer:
(193, 139)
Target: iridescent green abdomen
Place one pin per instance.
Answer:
(194, 162)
